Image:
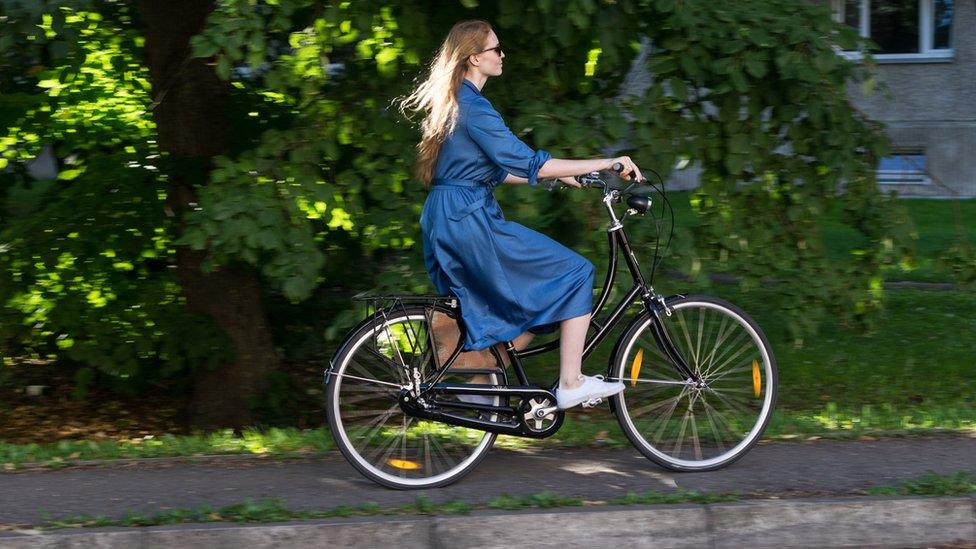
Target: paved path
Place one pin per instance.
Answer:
(820, 468)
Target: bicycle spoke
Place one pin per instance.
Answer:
(375, 426)
(655, 405)
(385, 442)
(391, 366)
(746, 367)
(690, 426)
(724, 331)
(663, 422)
(712, 425)
(745, 346)
(681, 433)
(736, 407)
(691, 348)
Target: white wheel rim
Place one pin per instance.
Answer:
(757, 426)
(476, 452)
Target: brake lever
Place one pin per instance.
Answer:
(590, 179)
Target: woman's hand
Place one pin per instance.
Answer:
(630, 171)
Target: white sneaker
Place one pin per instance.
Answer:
(591, 388)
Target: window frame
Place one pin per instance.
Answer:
(926, 35)
(919, 176)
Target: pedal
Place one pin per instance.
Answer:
(591, 403)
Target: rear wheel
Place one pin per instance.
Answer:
(369, 427)
(688, 426)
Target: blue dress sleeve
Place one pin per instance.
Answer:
(487, 129)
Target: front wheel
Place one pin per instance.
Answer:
(685, 425)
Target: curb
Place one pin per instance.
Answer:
(760, 523)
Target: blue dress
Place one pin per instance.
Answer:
(508, 278)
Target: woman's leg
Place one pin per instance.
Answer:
(572, 338)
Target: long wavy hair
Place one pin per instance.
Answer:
(437, 95)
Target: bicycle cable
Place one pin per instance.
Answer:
(665, 202)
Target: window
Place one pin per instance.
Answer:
(903, 168)
(904, 30)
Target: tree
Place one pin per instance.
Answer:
(285, 168)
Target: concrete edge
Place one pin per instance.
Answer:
(839, 522)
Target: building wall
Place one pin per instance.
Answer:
(932, 106)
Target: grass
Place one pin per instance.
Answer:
(937, 223)
(914, 372)
(274, 441)
(960, 483)
(913, 375)
(275, 510)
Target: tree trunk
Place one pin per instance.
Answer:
(192, 126)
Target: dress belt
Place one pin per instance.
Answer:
(442, 182)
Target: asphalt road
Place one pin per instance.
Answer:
(820, 468)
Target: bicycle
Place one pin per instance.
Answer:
(701, 377)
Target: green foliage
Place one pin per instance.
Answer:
(84, 276)
(317, 194)
(282, 442)
(960, 483)
(656, 498)
(542, 500)
(755, 93)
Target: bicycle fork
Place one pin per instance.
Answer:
(656, 304)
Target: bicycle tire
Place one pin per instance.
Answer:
(728, 348)
(414, 467)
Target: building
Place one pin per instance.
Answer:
(927, 64)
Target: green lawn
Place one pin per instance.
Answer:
(937, 223)
(915, 373)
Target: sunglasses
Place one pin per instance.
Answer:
(497, 49)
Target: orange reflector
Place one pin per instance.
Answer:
(403, 464)
(635, 367)
(756, 379)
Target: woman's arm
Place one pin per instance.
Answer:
(516, 180)
(558, 167)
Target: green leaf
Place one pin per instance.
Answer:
(755, 67)
(738, 81)
(203, 46)
(734, 163)
(223, 67)
(739, 144)
(678, 89)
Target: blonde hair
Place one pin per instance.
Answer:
(437, 95)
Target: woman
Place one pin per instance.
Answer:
(508, 278)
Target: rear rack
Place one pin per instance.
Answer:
(389, 301)
(380, 305)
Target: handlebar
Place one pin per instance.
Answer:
(593, 179)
